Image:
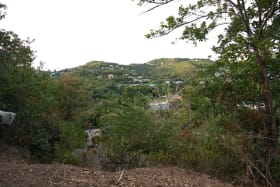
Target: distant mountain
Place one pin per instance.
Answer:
(156, 79)
(152, 71)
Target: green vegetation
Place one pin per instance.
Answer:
(222, 117)
(46, 123)
(249, 50)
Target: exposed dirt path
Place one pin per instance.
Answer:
(15, 172)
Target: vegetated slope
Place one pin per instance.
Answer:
(15, 172)
(169, 67)
(159, 68)
(110, 79)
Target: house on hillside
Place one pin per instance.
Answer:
(110, 76)
(152, 85)
(178, 82)
(159, 106)
(177, 97)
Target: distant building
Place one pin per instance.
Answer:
(177, 97)
(110, 76)
(55, 74)
(178, 82)
(52, 75)
(159, 106)
(152, 85)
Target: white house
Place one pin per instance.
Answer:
(159, 106)
(110, 76)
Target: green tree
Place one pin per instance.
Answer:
(127, 133)
(72, 95)
(36, 100)
(251, 36)
(2, 11)
(15, 70)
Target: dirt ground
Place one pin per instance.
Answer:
(16, 172)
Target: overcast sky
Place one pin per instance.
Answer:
(69, 33)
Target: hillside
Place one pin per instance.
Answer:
(111, 79)
(152, 71)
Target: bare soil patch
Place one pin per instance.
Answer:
(16, 172)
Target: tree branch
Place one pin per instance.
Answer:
(260, 13)
(269, 14)
(232, 3)
(188, 22)
(246, 18)
(192, 21)
(242, 10)
(150, 9)
(158, 4)
(120, 178)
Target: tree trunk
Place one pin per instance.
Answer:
(270, 126)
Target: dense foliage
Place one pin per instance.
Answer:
(248, 51)
(46, 122)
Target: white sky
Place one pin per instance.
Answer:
(69, 33)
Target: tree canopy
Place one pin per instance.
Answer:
(42, 122)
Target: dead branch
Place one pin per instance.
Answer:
(120, 178)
